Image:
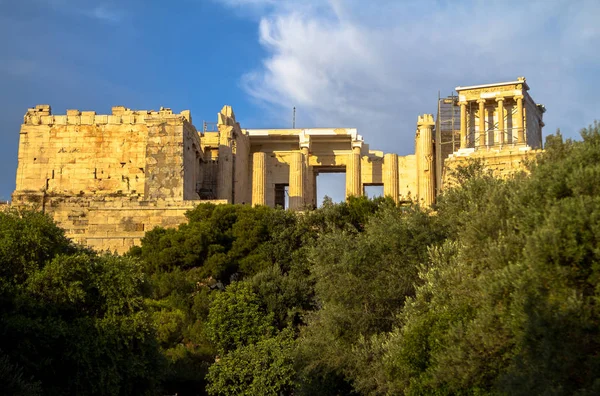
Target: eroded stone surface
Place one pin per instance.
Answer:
(107, 179)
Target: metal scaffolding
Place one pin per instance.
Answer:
(447, 133)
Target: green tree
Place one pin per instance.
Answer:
(72, 321)
(262, 368)
(508, 306)
(361, 281)
(236, 318)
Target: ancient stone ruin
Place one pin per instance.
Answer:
(107, 179)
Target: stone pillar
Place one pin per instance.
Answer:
(520, 126)
(309, 178)
(353, 182)
(481, 122)
(463, 124)
(225, 178)
(425, 169)
(391, 182)
(259, 179)
(500, 120)
(296, 188)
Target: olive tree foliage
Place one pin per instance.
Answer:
(361, 282)
(72, 322)
(219, 245)
(254, 357)
(493, 291)
(236, 318)
(262, 368)
(252, 322)
(221, 240)
(508, 304)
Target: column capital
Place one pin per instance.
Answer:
(500, 99)
(481, 100)
(518, 97)
(463, 103)
(425, 120)
(305, 141)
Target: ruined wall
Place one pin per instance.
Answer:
(114, 223)
(371, 168)
(81, 153)
(242, 180)
(407, 169)
(192, 156)
(278, 172)
(128, 152)
(172, 153)
(107, 179)
(209, 166)
(502, 163)
(533, 123)
(233, 159)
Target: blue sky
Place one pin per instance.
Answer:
(375, 65)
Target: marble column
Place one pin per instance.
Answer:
(309, 178)
(296, 186)
(391, 182)
(225, 177)
(353, 182)
(425, 168)
(520, 126)
(500, 120)
(463, 124)
(481, 122)
(259, 179)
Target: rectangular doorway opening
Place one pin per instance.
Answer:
(281, 195)
(331, 183)
(373, 190)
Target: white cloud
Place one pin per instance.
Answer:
(104, 13)
(378, 65)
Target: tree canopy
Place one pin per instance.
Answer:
(494, 290)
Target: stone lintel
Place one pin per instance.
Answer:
(519, 80)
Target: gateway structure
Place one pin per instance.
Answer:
(107, 179)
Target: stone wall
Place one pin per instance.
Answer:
(129, 152)
(407, 168)
(107, 179)
(111, 222)
(533, 122)
(502, 163)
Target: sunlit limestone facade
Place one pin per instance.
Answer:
(500, 125)
(107, 179)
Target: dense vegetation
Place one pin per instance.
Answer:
(495, 291)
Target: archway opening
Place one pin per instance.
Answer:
(373, 190)
(331, 183)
